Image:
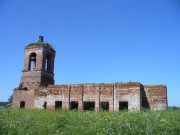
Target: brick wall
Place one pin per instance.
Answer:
(154, 97)
(111, 93)
(136, 95)
(58, 93)
(38, 77)
(23, 95)
(130, 93)
(106, 92)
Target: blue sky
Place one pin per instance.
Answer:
(96, 41)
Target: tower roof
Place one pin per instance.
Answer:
(40, 43)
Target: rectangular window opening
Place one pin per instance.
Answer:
(22, 104)
(74, 105)
(58, 104)
(105, 106)
(123, 106)
(89, 106)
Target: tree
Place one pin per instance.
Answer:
(10, 99)
(9, 103)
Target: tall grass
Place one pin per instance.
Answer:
(46, 122)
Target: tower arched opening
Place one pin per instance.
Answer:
(32, 62)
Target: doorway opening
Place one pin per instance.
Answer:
(22, 104)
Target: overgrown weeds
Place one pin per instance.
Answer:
(47, 122)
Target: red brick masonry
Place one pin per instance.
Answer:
(37, 89)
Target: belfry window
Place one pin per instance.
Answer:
(47, 64)
(32, 62)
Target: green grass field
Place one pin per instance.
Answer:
(46, 122)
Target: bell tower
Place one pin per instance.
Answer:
(38, 68)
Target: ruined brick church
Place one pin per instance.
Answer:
(37, 89)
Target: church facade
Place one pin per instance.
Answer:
(37, 89)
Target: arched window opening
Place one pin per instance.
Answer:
(48, 64)
(32, 62)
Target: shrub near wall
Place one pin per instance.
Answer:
(46, 122)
